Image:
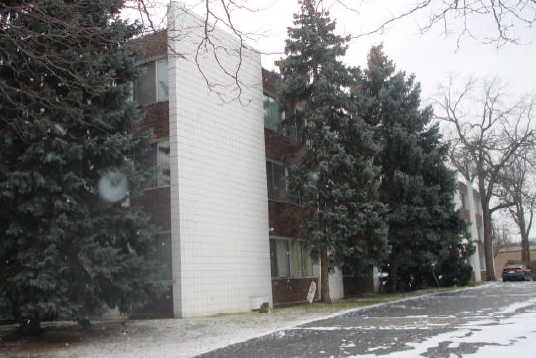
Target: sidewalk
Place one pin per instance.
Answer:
(181, 338)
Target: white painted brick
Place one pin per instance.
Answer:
(221, 257)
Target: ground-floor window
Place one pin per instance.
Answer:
(276, 175)
(289, 258)
(482, 263)
(157, 160)
(162, 254)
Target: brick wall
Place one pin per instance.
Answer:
(161, 307)
(271, 83)
(157, 119)
(282, 149)
(293, 290)
(157, 202)
(286, 219)
(152, 46)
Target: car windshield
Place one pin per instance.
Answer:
(513, 267)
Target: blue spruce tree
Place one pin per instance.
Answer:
(70, 242)
(336, 177)
(425, 231)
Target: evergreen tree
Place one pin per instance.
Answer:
(70, 242)
(335, 177)
(416, 184)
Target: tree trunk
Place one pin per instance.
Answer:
(324, 277)
(393, 278)
(525, 249)
(488, 244)
(30, 327)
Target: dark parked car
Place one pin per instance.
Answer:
(516, 273)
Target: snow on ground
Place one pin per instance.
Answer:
(183, 338)
(496, 336)
(514, 337)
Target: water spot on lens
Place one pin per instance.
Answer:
(113, 186)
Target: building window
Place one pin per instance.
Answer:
(162, 254)
(480, 234)
(294, 126)
(157, 160)
(478, 209)
(289, 258)
(483, 263)
(272, 113)
(276, 178)
(151, 85)
(463, 199)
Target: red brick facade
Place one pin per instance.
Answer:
(271, 83)
(157, 202)
(152, 45)
(285, 219)
(157, 119)
(282, 149)
(292, 290)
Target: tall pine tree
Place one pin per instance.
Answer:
(70, 242)
(336, 177)
(416, 185)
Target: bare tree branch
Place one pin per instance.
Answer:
(34, 58)
(501, 239)
(518, 187)
(506, 15)
(490, 135)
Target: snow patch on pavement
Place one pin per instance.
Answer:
(514, 336)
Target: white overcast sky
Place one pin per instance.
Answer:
(431, 57)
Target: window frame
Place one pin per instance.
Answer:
(154, 91)
(281, 189)
(162, 257)
(161, 176)
(463, 199)
(476, 202)
(271, 106)
(304, 269)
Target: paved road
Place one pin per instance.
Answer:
(497, 320)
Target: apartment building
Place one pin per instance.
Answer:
(468, 201)
(208, 196)
(292, 269)
(230, 233)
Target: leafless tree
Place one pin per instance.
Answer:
(151, 14)
(518, 185)
(213, 15)
(488, 134)
(501, 238)
(458, 17)
(507, 15)
(453, 16)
